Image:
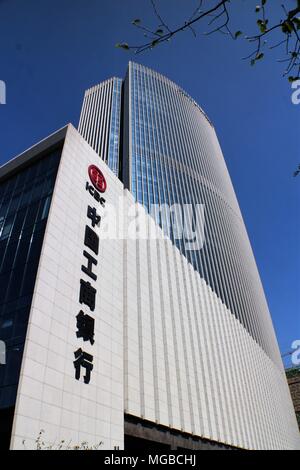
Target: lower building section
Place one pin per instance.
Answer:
(190, 365)
(293, 377)
(6, 422)
(146, 436)
(120, 322)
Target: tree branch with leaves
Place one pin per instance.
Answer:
(216, 17)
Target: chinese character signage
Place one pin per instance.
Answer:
(85, 322)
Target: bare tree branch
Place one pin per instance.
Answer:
(159, 17)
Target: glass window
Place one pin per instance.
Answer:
(7, 225)
(26, 200)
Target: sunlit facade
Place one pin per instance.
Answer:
(169, 156)
(100, 121)
(138, 342)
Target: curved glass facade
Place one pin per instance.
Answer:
(172, 156)
(164, 148)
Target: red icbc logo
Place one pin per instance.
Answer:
(97, 178)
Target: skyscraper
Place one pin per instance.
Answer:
(137, 341)
(100, 121)
(171, 155)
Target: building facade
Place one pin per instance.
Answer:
(126, 330)
(25, 201)
(171, 156)
(293, 378)
(100, 121)
(69, 369)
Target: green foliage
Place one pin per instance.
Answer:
(263, 25)
(154, 43)
(292, 372)
(256, 58)
(287, 27)
(123, 45)
(296, 22)
(216, 13)
(292, 79)
(260, 56)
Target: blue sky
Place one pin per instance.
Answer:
(52, 50)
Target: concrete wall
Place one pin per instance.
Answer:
(162, 336)
(49, 396)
